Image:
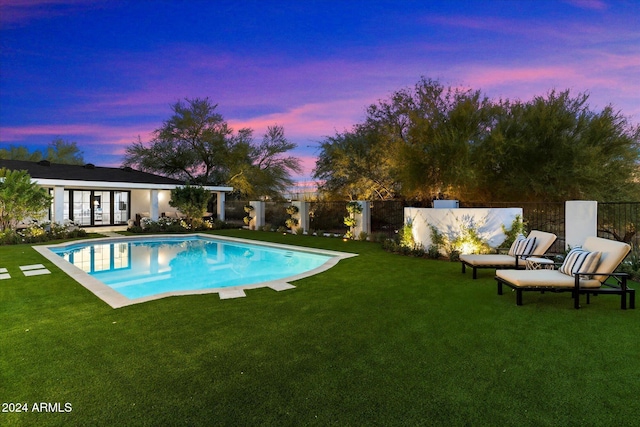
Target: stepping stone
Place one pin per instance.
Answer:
(232, 294)
(4, 274)
(36, 272)
(31, 267)
(281, 286)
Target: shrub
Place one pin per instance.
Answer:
(464, 240)
(9, 237)
(433, 252)
(517, 227)
(37, 233)
(631, 265)
(291, 222)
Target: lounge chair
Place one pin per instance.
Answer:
(543, 242)
(586, 278)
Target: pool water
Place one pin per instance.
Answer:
(140, 268)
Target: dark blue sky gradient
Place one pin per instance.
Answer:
(102, 73)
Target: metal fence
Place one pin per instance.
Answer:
(616, 221)
(275, 213)
(234, 211)
(387, 217)
(620, 221)
(328, 217)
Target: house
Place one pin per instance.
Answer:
(93, 196)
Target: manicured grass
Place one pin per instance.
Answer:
(380, 339)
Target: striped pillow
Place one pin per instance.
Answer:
(525, 247)
(514, 245)
(580, 261)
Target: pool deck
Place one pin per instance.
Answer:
(117, 300)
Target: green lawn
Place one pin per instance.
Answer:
(380, 339)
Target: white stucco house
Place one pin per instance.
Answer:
(103, 197)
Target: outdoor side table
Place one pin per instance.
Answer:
(536, 263)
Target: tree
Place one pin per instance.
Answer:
(416, 145)
(269, 171)
(430, 141)
(196, 144)
(191, 201)
(20, 153)
(20, 198)
(555, 148)
(57, 151)
(64, 152)
(433, 157)
(355, 165)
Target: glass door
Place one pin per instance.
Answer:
(82, 207)
(121, 207)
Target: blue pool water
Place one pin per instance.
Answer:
(140, 268)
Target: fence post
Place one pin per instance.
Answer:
(581, 221)
(258, 214)
(363, 219)
(302, 216)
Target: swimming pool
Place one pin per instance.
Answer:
(126, 270)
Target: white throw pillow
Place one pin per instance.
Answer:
(580, 261)
(525, 247)
(514, 245)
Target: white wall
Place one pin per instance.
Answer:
(487, 221)
(141, 202)
(581, 221)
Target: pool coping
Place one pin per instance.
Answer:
(117, 300)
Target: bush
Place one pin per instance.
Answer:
(9, 237)
(38, 233)
(176, 225)
(631, 265)
(433, 252)
(517, 227)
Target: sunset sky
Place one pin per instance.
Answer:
(102, 73)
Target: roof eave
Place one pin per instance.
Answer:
(48, 182)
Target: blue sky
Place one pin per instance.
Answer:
(102, 73)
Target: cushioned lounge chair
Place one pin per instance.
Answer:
(543, 242)
(581, 279)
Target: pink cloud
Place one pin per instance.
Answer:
(492, 76)
(21, 11)
(104, 134)
(588, 4)
(311, 121)
(571, 31)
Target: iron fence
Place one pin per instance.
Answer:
(275, 214)
(328, 217)
(619, 221)
(234, 211)
(387, 216)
